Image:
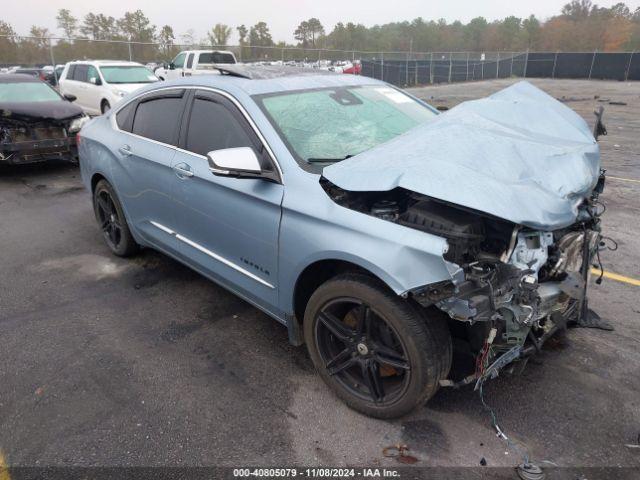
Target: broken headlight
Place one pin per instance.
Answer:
(77, 124)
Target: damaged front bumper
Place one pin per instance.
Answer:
(39, 150)
(512, 303)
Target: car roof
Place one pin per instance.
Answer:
(207, 51)
(18, 78)
(256, 80)
(101, 63)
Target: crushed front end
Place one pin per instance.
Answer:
(513, 286)
(37, 140)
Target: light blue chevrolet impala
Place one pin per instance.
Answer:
(380, 231)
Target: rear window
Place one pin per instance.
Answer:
(158, 119)
(216, 57)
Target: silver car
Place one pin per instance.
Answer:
(374, 227)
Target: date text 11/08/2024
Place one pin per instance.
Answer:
(316, 472)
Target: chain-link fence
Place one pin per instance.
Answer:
(399, 68)
(461, 67)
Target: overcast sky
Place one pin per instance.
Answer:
(282, 16)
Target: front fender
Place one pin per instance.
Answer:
(401, 257)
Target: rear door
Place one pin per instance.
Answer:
(227, 227)
(148, 135)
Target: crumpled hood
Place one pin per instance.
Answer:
(518, 154)
(39, 111)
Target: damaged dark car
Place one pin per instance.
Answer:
(37, 124)
(386, 236)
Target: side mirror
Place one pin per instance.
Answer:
(95, 81)
(442, 108)
(172, 66)
(70, 97)
(239, 162)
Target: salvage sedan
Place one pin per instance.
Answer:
(372, 226)
(36, 122)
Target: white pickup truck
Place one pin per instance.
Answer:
(195, 62)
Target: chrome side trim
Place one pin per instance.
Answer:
(213, 255)
(228, 96)
(162, 227)
(223, 260)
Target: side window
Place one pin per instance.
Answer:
(213, 127)
(190, 60)
(70, 72)
(92, 73)
(124, 118)
(178, 62)
(158, 119)
(80, 73)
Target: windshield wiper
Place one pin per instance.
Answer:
(328, 160)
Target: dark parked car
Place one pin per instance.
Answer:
(44, 75)
(36, 122)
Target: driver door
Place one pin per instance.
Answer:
(226, 227)
(80, 87)
(93, 90)
(176, 67)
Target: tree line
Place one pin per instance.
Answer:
(580, 26)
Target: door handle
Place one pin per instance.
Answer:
(125, 150)
(183, 170)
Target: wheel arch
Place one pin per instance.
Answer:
(102, 102)
(95, 178)
(322, 270)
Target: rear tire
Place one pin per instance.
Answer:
(112, 221)
(385, 369)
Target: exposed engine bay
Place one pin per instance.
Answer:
(513, 286)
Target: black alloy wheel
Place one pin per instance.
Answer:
(112, 221)
(380, 353)
(361, 350)
(108, 219)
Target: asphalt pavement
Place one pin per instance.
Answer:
(142, 362)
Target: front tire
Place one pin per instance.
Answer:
(375, 350)
(112, 221)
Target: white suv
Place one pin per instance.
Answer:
(99, 84)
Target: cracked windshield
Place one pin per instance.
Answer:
(329, 125)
